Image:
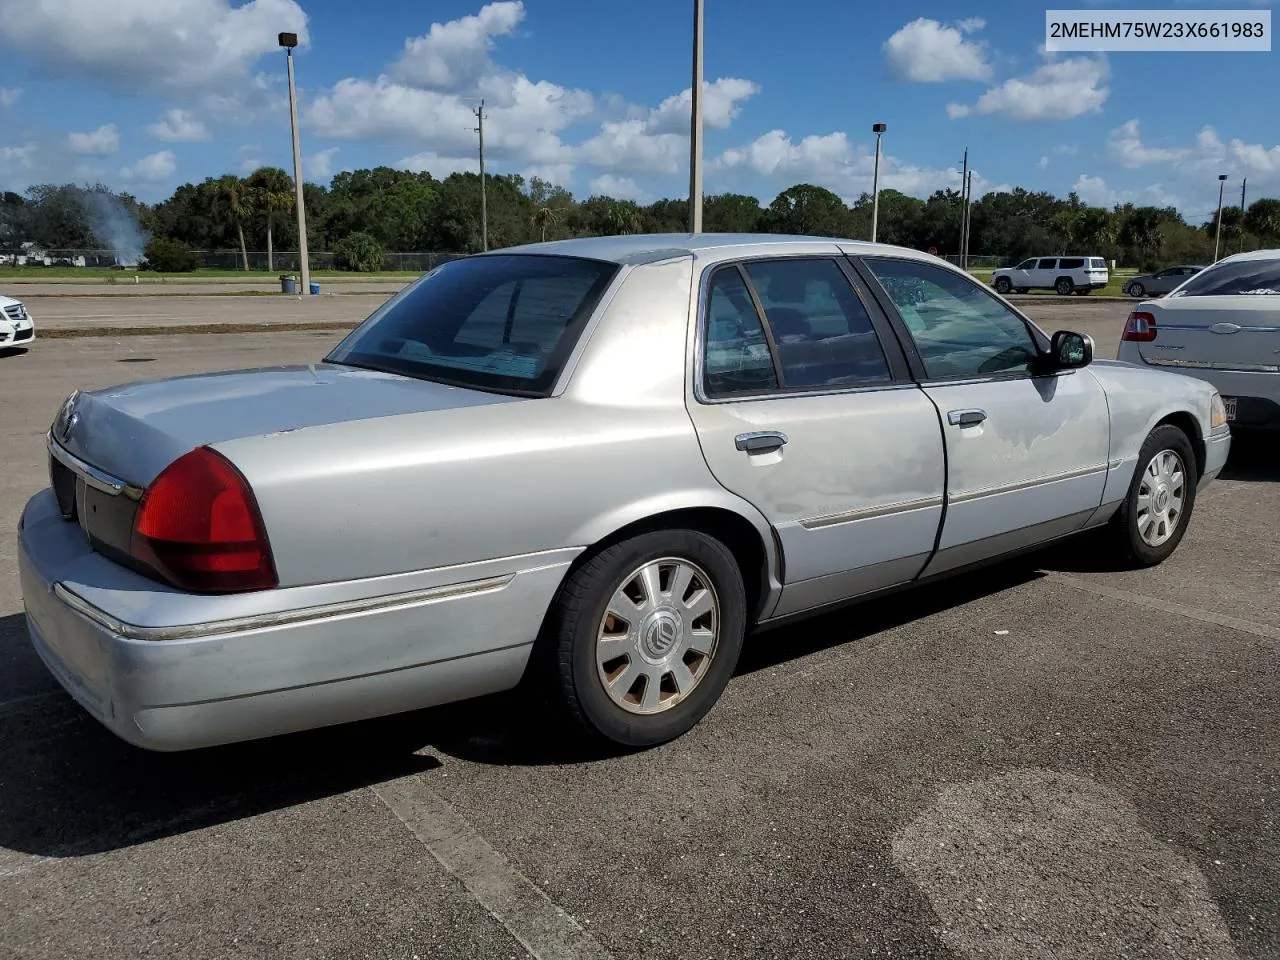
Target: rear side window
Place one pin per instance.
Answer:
(499, 322)
(1097, 263)
(736, 358)
(822, 332)
(1072, 264)
(1259, 278)
(1049, 263)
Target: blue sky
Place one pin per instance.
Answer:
(146, 94)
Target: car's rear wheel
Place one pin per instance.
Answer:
(1157, 508)
(1064, 286)
(1137, 290)
(1003, 285)
(645, 635)
(1021, 289)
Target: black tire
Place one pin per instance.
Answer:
(1021, 289)
(567, 647)
(1124, 532)
(1003, 286)
(1084, 291)
(1064, 286)
(1137, 290)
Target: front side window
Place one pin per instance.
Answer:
(959, 330)
(505, 323)
(823, 333)
(1258, 278)
(736, 359)
(1026, 265)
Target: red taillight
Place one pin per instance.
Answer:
(198, 527)
(1140, 327)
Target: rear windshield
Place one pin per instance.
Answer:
(1245, 277)
(502, 322)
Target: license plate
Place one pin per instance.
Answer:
(1230, 404)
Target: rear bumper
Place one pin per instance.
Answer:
(196, 683)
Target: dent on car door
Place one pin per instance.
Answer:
(807, 410)
(1026, 452)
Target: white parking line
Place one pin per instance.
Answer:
(1166, 606)
(545, 930)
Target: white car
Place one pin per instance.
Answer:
(17, 328)
(1066, 275)
(1223, 326)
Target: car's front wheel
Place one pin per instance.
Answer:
(1003, 286)
(645, 635)
(1157, 508)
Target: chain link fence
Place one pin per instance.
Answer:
(980, 261)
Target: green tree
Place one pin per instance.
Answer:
(169, 256)
(361, 252)
(233, 205)
(543, 218)
(806, 209)
(1263, 220)
(731, 213)
(271, 192)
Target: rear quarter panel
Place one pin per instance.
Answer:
(417, 491)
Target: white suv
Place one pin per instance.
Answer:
(1067, 275)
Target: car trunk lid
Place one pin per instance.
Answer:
(1239, 332)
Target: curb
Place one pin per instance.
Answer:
(1054, 298)
(170, 330)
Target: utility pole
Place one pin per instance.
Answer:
(484, 203)
(878, 129)
(964, 201)
(289, 41)
(968, 215)
(1243, 183)
(1217, 237)
(695, 126)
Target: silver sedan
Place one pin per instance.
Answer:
(588, 467)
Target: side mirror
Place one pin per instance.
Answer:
(1069, 350)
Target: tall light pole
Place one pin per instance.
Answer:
(289, 41)
(964, 202)
(877, 129)
(1243, 183)
(695, 126)
(484, 203)
(1217, 238)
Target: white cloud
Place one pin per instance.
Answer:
(454, 55)
(1043, 163)
(620, 188)
(319, 166)
(831, 161)
(438, 166)
(9, 96)
(926, 51)
(1065, 150)
(153, 168)
(17, 158)
(1059, 89)
(104, 140)
(721, 104)
(1206, 157)
(1126, 147)
(142, 45)
(179, 126)
(250, 164)
(1096, 192)
(558, 173)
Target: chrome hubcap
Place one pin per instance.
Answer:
(658, 635)
(1160, 498)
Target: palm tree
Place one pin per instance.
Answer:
(232, 204)
(271, 191)
(1263, 220)
(544, 217)
(623, 217)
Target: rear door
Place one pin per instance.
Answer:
(1046, 272)
(805, 407)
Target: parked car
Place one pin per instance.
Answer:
(17, 327)
(588, 466)
(1160, 282)
(1223, 326)
(1066, 275)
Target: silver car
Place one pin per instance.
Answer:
(589, 467)
(1159, 283)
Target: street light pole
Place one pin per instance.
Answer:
(484, 202)
(695, 126)
(1222, 182)
(877, 129)
(289, 41)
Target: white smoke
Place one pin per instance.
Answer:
(115, 226)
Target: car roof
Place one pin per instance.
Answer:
(652, 247)
(1252, 255)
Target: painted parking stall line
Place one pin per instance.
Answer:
(527, 913)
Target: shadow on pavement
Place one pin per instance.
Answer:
(1255, 456)
(12, 352)
(72, 788)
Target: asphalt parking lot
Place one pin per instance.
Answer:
(1046, 759)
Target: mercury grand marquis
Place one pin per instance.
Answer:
(586, 469)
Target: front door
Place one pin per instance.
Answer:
(1026, 453)
(804, 406)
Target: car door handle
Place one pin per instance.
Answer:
(966, 418)
(759, 442)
